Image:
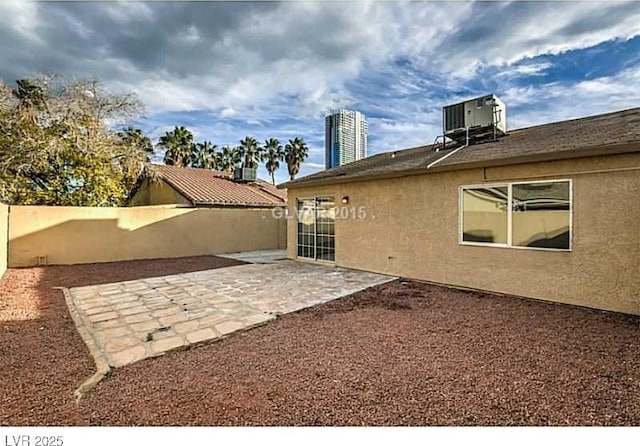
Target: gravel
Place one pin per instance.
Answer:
(42, 357)
(404, 353)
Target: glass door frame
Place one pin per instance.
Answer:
(315, 233)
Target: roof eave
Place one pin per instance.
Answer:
(612, 149)
(238, 204)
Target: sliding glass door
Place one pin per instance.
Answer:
(316, 228)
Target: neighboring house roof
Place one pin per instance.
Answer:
(210, 187)
(606, 134)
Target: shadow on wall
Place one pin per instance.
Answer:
(63, 236)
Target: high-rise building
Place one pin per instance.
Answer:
(345, 137)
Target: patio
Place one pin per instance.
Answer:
(125, 322)
(262, 256)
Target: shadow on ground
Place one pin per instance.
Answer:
(43, 357)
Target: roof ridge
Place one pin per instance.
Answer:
(582, 118)
(201, 186)
(601, 134)
(260, 191)
(267, 191)
(430, 146)
(220, 173)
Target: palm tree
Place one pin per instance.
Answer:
(179, 146)
(204, 156)
(250, 151)
(272, 155)
(295, 152)
(228, 158)
(135, 137)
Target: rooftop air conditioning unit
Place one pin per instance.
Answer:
(475, 119)
(245, 174)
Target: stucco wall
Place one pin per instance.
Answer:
(69, 235)
(411, 230)
(157, 192)
(4, 228)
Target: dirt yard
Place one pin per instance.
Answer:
(42, 357)
(404, 353)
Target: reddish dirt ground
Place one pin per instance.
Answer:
(42, 357)
(404, 353)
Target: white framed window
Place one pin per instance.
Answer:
(526, 215)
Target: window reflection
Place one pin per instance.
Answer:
(306, 228)
(485, 215)
(316, 228)
(541, 215)
(325, 235)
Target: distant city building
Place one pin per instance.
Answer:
(345, 137)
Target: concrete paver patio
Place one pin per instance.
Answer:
(133, 320)
(262, 256)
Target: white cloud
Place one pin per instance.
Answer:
(189, 35)
(182, 56)
(564, 100)
(315, 166)
(274, 69)
(522, 30)
(129, 13)
(228, 112)
(530, 69)
(20, 16)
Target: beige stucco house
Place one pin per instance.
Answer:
(548, 212)
(190, 187)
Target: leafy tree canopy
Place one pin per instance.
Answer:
(58, 146)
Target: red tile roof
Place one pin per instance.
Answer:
(210, 187)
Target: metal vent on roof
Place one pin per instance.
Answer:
(453, 117)
(245, 174)
(475, 119)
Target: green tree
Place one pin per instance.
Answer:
(205, 156)
(179, 146)
(250, 152)
(136, 137)
(228, 158)
(57, 146)
(271, 156)
(31, 98)
(295, 153)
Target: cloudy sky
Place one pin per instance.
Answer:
(268, 69)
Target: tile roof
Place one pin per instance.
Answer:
(610, 133)
(209, 187)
